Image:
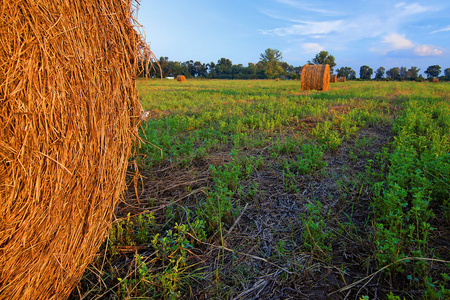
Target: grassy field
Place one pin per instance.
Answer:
(257, 190)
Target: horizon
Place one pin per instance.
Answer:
(387, 34)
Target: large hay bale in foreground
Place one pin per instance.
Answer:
(68, 115)
(342, 79)
(333, 78)
(315, 77)
(181, 78)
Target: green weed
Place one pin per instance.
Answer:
(327, 136)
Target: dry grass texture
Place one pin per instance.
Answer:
(68, 113)
(315, 77)
(342, 79)
(181, 78)
(333, 78)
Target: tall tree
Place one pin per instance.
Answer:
(250, 71)
(393, 73)
(433, 71)
(447, 73)
(412, 73)
(323, 58)
(403, 72)
(164, 63)
(380, 73)
(237, 71)
(365, 72)
(191, 71)
(223, 68)
(200, 69)
(211, 70)
(346, 72)
(297, 72)
(271, 61)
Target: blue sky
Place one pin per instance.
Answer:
(374, 33)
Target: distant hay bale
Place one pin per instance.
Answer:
(181, 78)
(342, 79)
(68, 119)
(315, 77)
(277, 79)
(333, 78)
(435, 80)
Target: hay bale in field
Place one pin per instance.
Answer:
(181, 78)
(315, 77)
(342, 79)
(277, 79)
(68, 118)
(333, 78)
(435, 80)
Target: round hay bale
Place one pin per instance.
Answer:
(435, 80)
(333, 78)
(342, 79)
(277, 79)
(181, 78)
(315, 77)
(68, 119)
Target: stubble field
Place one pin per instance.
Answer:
(257, 190)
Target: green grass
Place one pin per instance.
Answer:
(255, 189)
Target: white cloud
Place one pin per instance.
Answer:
(397, 42)
(306, 28)
(361, 26)
(303, 6)
(427, 50)
(412, 9)
(442, 30)
(312, 47)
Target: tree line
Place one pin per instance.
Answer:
(402, 73)
(271, 66)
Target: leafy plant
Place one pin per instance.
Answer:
(327, 136)
(316, 236)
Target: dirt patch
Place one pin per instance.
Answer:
(262, 254)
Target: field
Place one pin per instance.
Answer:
(257, 190)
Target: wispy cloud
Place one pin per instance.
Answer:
(307, 7)
(442, 30)
(306, 28)
(371, 24)
(412, 9)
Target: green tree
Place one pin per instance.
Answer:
(412, 73)
(250, 71)
(365, 72)
(403, 72)
(393, 73)
(271, 62)
(164, 63)
(346, 72)
(447, 73)
(200, 69)
(191, 71)
(296, 72)
(323, 58)
(211, 70)
(433, 71)
(223, 68)
(380, 73)
(237, 71)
